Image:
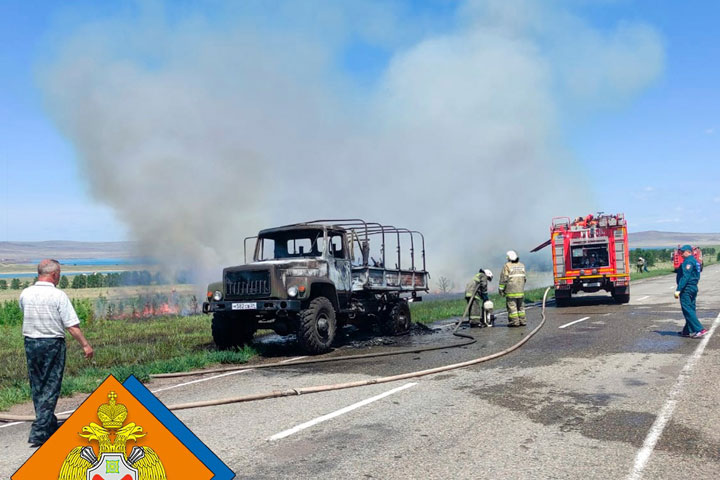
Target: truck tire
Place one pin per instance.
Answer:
(318, 326)
(232, 331)
(622, 298)
(562, 301)
(397, 320)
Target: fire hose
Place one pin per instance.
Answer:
(460, 321)
(340, 386)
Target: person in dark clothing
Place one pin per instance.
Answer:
(687, 279)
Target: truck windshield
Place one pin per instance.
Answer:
(590, 256)
(290, 244)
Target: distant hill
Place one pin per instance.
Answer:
(22, 252)
(653, 238)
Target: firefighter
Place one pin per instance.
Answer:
(512, 287)
(479, 282)
(640, 264)
(687, 280)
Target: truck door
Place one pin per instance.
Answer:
(339, 263)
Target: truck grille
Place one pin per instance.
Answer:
(247, 284)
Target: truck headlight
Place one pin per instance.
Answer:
(292, 291)
(217, 296)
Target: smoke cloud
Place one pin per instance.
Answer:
(200, 130)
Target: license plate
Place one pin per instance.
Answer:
(593, 284)
(244, 306)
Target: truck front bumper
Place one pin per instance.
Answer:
(252, 306)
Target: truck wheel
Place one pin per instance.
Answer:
(232, 331)
(622, 298)
(397, 321)
(317, 326)
(562, 301)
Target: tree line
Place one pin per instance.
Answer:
(97, 280)
(654, 255)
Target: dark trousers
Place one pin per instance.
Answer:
(687, 304)
(45, 364)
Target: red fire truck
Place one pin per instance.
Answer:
(677, 257)
(590, 254)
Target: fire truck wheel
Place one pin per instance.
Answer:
(317, 326)
(622, 298)
(562, 302)
(397, 320)
(232, 331)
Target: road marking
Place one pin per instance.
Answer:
(10, 424)
(643, 298)
(666, 413)
(303, 426)
(162, 389)
(572, 323)
(200, 380)
(293, 359)
(18, 423)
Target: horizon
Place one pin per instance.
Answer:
(185, 126)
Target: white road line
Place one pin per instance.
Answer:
(19, 423)
(572, 323)
(159, 390)
(293, 359)
(200, 380)
(303, 426)
(10, 424)
(666, 413)
(643, 298)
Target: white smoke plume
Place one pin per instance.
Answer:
(199, 131)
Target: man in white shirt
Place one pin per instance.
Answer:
(47, 313)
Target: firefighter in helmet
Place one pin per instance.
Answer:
(640, 264)
(477, 292)
(512, 286)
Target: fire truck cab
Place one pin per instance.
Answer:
(590, 254)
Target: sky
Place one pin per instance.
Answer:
(186, 126)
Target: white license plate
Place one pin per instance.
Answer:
(244, 306)
(593, 284)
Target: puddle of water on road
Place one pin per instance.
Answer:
(665, 343)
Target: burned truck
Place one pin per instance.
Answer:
(312, 278)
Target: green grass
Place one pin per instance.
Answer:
(665, 268)
(122, 348)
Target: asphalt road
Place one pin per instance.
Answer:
(602, 391)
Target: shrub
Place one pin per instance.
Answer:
(10, 313)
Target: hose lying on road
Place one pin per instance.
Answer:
(340, 386)
(311, 361)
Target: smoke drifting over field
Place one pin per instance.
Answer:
(199, 131)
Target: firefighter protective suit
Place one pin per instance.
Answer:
(512, 286)
(479, 281)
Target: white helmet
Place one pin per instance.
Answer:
(512, 255)
(488, 274)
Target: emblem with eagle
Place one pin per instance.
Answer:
(110, 461)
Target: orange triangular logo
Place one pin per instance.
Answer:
(113, 436)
